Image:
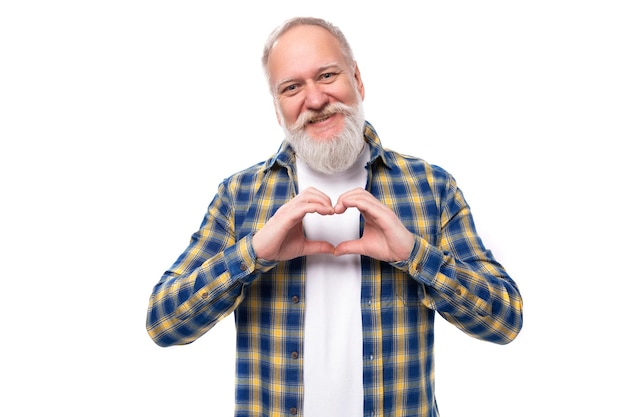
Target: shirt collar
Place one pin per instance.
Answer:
(286, 156)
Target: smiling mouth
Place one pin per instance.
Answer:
(320, 119)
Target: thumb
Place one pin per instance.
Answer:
(317, 247)
(349, 247)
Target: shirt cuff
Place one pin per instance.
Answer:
(423, 263)
(242, 262)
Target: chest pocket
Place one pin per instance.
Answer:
(271, 192)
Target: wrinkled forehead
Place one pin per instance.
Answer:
(301, 49)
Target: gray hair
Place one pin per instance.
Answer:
(300, 21)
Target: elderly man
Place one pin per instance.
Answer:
(334, 255)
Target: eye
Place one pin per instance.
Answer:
(327, 76)
(289, 89)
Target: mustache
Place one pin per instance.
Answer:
(327, 111)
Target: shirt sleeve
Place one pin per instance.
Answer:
(461, 279)
(207, 282)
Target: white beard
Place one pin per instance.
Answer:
(336, 154)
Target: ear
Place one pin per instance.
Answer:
(358, 81)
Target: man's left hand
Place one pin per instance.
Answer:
(384, 236)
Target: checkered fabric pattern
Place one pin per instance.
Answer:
(449, 271)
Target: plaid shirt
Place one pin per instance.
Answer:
(448, 271)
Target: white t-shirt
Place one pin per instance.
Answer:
(333, 331)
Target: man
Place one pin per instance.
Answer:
(334, 255)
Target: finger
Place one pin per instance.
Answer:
(312, 200)
(317, 247)
(288, 217)
(318, 208)
(349, 247)
(362, 200)
(313, 194)
(350, 199)
(295, 210)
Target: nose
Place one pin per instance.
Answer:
(315, 98)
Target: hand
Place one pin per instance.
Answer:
(384, 236)
(282, 237)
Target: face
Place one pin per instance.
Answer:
(308, 72)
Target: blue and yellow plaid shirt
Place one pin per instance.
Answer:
(448, 271)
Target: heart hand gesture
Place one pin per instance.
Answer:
(384, 236)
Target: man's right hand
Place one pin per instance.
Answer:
(282, 237)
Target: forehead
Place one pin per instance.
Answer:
(303, 49)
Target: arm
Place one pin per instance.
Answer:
(206, 283)
(208, 280)
(462, 280)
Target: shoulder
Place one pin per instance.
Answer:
(413, 166)
(398, 163)
(272, 170)
(244, 179)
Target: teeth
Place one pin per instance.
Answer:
(319, 119)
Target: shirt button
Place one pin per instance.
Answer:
(369, 302)
(205, 295)
(294, 355)
(295, 299)
(293, 411)
(243, 266)
(458, 291)
(371, 357)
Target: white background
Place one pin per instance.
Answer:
(119, 118)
